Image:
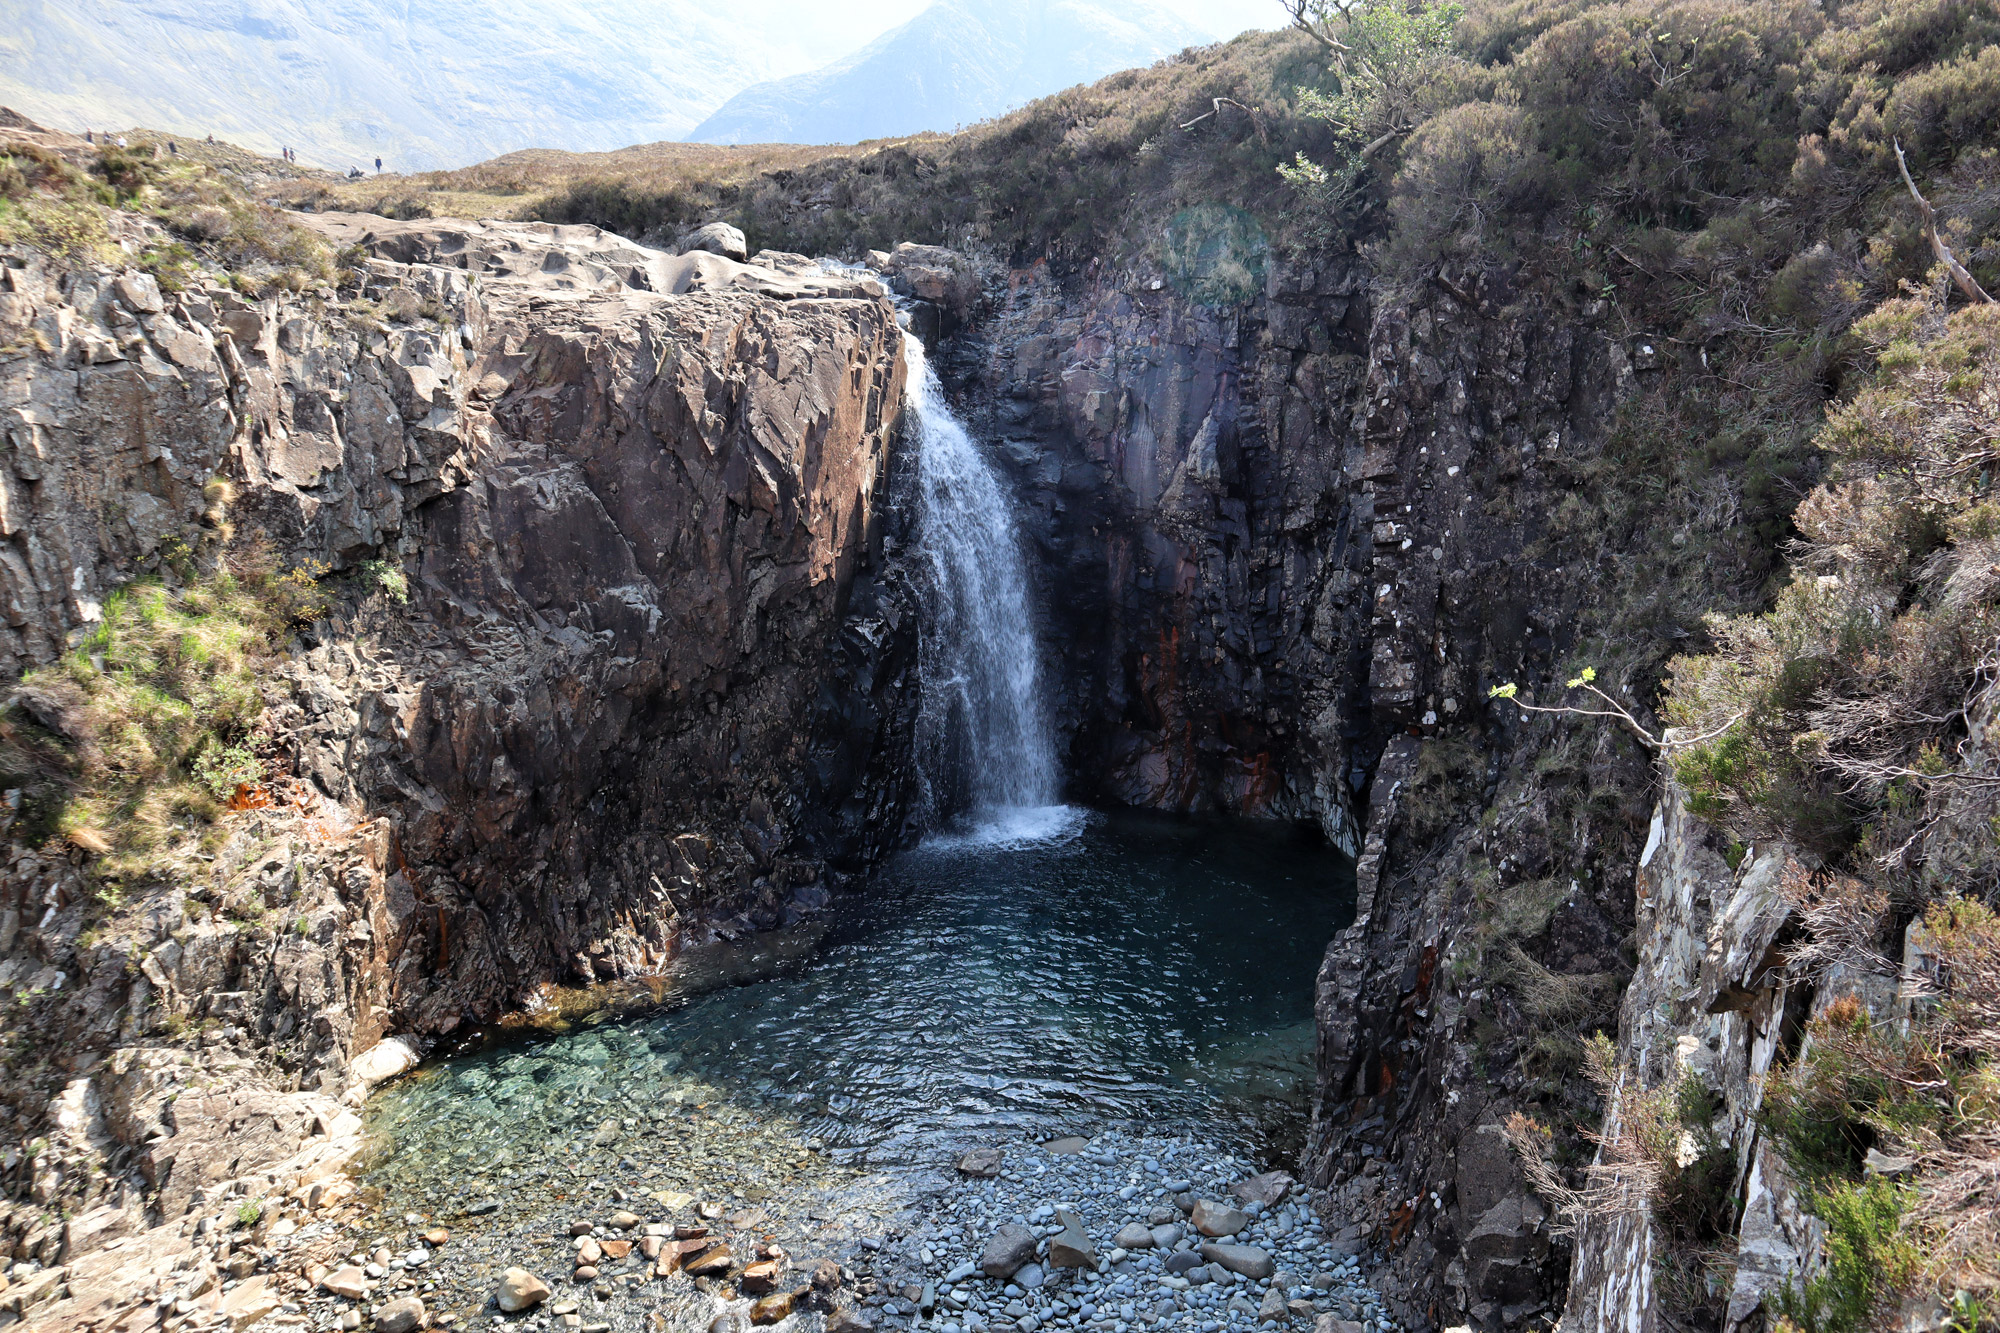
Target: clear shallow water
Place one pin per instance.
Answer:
(1138, 969)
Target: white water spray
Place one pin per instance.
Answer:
(983, 737)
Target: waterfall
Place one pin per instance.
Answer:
(983, 740)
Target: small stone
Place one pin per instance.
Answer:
(772, 1308)
(1011, 1246)
(982, 1163)
(1028, 1277)
(1247, 1260)
(519, 1290)
(1302, 1309)
(729, 1321)
(404, 1315)
(1328, 1323)
(1166, 1237)
(1272, 1308)
(710, 1212)
(584, 1273)
(350, 1320)
(650, 1246)
(1068, 1146)
(616, 1249)
(760, 1278)
(1218, 1219)
(1133, 1237)
(625, 1220)
(589, 1252)
(1182, 1260)
(607, 1134)
(348, 1281)
(825, 1276)
(580, 1228)
(436, 1236)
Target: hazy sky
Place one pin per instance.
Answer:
(819, 31)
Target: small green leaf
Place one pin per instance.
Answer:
(1506, 691)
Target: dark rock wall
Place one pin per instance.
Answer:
(1287, 545)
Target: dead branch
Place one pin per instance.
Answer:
(1966, 282)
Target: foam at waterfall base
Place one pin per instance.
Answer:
(1012, 826)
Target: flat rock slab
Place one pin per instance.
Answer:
(1066, 1147)
(1244, 1260)
(1268, 1189)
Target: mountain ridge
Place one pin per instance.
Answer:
(952, 65)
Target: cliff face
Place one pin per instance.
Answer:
(637, 506)
(1288, 543)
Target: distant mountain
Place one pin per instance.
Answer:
(440, 83)
(958, 62)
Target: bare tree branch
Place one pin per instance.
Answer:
(1959, 274)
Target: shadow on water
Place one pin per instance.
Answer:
(1143, 970)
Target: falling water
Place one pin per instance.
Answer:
(983, 732)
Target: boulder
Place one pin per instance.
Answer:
(982, 1163)
(1247, 1260)
(1268, 1189)
(1072, 1247)
(403, 1315)
(519, 1290)
(1218, 1219)
(718, 238)
(1011, 1246)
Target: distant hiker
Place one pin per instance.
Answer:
(172, 149)
(121, 142)
(378, 164)
(211, 138)
(87, 137)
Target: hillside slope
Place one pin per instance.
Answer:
(956, 63)
(427, 86)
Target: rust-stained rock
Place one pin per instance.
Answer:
(772, 1308)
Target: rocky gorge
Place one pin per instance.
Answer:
(600, 937)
